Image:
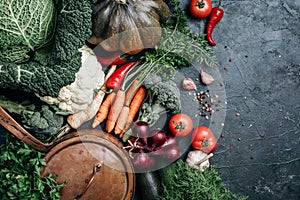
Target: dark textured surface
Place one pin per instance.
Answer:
(259, 155)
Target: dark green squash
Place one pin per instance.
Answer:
(148, 185)
(128, 25)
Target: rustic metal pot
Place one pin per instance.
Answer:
(90, 162)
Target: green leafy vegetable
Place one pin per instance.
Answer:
(42, 119)
(183, 182)
(54, 66)
(20, 170)
(25, 26)
(163, 97)
(179, 46)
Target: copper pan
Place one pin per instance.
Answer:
(91, 163)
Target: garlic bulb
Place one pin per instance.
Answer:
(197, 159)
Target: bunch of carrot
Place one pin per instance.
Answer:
(120, 108)
(122, 105)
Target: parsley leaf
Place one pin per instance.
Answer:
(20, 170)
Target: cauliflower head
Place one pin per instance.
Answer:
(79, 94)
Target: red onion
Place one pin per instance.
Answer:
(141, 129)
(172, 152)
(158, 138)
(143, 160)
(169, 153)
(133, 145)
(170, 140)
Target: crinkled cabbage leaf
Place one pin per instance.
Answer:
(25, 26)
(49, 67)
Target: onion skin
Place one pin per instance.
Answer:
(141, 129)
(172, 152)
(170, 140)
(143, 160)
(158, 138)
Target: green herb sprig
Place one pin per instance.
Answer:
(179, 46)
(180, 181)
(20, 170)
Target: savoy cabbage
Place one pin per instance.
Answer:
(49, 66)
(25, 26)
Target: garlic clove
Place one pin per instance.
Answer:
(188, 84)
(206, 78)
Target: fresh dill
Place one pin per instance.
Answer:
(180, 46)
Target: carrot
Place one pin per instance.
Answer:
(121, 122)
(117, 130)
(104, 109)
(135, 106)
(131, 91)
(115, 110)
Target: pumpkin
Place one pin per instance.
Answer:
(128, 25)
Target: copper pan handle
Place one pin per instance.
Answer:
(17, 130)
(97, 168)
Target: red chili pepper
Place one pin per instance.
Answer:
(215, 16)
(115, 80)
(118, 61)
(115, 59)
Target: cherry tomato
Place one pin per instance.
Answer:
(204, 139)
(180, 124)
(200, 8)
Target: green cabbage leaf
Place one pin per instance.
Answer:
(45, 61)
(25, 26)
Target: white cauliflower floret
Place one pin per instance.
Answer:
(78, 95)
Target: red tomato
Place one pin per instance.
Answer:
(200, 8)
(204, 139)
(180, 124)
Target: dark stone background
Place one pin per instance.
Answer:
(259, 155)
(258, 45)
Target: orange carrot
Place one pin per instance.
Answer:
(124, 119)
(135, 106)
(104, 109)
(115, 110)
(117, 130)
